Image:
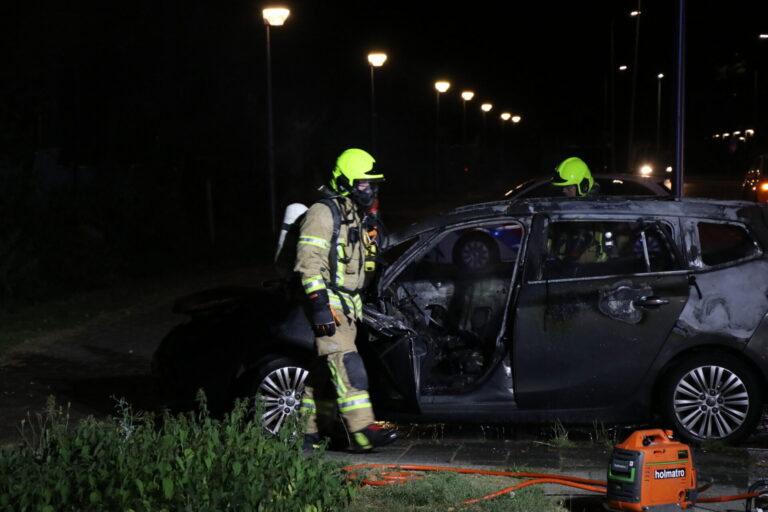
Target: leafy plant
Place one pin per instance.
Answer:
(137, 462)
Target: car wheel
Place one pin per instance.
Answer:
(279, 382)
(475, 252)
(712, 396)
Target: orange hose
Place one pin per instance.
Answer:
(393, 477)
(389, 478)
(729, 498)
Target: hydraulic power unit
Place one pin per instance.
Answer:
(651, 472)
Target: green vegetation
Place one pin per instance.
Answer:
(603, 436)
(192, 462)
(447, 490)
(560, 437)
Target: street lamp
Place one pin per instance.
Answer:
(465, 97)
(659, 77)
(273, 16)
(505, 117)
(516, 119)
(441, 86)
(375, 60)
(485, 107)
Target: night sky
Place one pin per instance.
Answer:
(185, 80)
(164, 101)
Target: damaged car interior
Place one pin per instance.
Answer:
(457, 311)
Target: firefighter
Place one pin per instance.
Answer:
(575, 178)
(574, 242)
(332, 271)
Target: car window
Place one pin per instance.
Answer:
(587, 249)
(721, 243)
(546, 189)
(619, 187)
(463, 277)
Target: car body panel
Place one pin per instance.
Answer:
(609, 184)
(574, 347)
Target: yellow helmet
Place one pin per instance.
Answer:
(353, 165)
(573, 171)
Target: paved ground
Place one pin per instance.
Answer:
(111, 358)
(732, 470)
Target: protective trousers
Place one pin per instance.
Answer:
(337, 383)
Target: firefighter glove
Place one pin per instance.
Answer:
(320, 314)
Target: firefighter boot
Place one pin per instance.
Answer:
(313, 441)
(372, 436)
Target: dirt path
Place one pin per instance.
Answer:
(108, 357)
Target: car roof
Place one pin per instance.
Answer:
(727, 210)
(652, 183)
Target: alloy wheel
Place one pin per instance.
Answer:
(475, 254)
(711, 402)
(281, 391)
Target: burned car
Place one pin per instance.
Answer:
(611, 309)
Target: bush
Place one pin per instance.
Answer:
(188, 462)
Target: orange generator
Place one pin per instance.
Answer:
(649, 471)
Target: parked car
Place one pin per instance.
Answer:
(610, 185)
(607, 309)
(476, 248)
(755, 184)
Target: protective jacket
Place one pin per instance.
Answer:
(337, 378)
(341, 271)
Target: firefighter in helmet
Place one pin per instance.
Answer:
(575, 178)
(332, 276)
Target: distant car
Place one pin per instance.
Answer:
(477, 250)
(755, 185)
(610, 185)
(608, 310)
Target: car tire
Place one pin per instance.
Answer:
(279, 382)
(476, 252)
(713, 396)
(184, 363)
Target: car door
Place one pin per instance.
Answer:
(452, 292)
(598, 300)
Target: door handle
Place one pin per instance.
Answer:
(649, 302)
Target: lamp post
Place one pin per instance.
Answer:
(465, 97)
(441, 86)
(375, 60)
(659, 77)
(485, 107)
(505, 117)
(273, 17)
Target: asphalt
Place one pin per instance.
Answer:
(731, 470)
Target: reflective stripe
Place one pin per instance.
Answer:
(339, 280)
(307, 405)
(341, 389)
(326, 408)
(354, 302)
(313, 240)
(362, 401)
(313, 284)
(362, 441)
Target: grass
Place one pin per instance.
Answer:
(560, 437)
(71, 314)
(446, 490)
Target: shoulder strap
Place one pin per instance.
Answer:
(333, 254)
